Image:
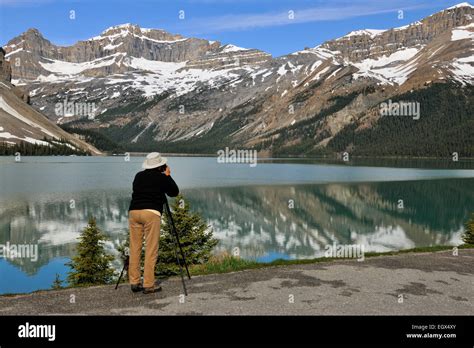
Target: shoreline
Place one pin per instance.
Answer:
(332, 158)
(327, 158)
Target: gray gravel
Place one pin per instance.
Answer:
(423, 284)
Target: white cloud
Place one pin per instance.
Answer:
(338, 10)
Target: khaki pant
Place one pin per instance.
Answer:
(143, 223)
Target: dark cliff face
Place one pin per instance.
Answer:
(5, 69)
(6, 76)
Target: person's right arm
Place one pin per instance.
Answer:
(171, 189)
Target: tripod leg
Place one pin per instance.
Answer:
(176, 245)
(182, 255)
(181, 272)
(177, 237)
(125, 265)
(120, 278)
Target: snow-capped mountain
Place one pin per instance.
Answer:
(19, 122)
(156, 60)
(152, 87)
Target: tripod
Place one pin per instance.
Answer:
(125, 265)
(177, 245)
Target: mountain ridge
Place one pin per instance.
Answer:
(155, 88)
(22, 127)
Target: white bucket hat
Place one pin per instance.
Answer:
(154, 160)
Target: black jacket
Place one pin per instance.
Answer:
(149, 189)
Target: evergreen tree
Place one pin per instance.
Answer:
(91, 265)
(57, 283)
(468, 236)
(194, 234)
(59, 148)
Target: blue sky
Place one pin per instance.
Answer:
(262, 24)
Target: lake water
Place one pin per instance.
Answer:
(288, 209)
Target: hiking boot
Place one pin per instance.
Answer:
(151, 290)
(137, 287)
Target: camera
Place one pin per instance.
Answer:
(162, 168)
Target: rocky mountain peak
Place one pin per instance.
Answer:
(369, 43)
(135, 31)
(462, 4)
(32, 31)
(120, 49)
(32, 35)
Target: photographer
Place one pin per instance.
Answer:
(146, 208)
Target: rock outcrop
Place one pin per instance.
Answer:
(5, 69)
(364, 44)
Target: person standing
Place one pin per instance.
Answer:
(146, 208)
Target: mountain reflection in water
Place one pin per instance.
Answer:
(264, 222)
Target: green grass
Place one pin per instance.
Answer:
(228, 263)
(421, 250)
(223, 265)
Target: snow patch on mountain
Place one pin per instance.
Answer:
(320, 73)
(462, 33)
(61, 68)
(233, 48)
(315, 65)
(463, 69)
(8, 135)
(394, 68)
(320, 52)
(110, 47)
(155, 66)
(414, 24)
(14, 52)
(166, 76)
(370, 32)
